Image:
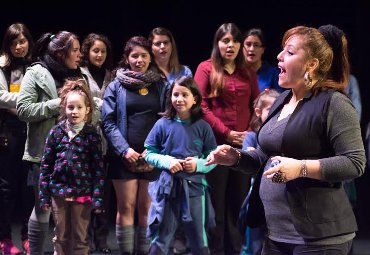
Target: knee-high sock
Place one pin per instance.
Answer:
(142, 243)
(125, 238)
(37, 232)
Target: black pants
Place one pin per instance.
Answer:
(277, 248)
(16, 198)
(228, 189)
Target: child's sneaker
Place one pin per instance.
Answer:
(8, 248)
(26, 246)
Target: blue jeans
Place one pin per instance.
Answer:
(194, 230)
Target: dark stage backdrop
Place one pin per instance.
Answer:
(193, 24)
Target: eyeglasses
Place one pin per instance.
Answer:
(159, 43)
(255, 45)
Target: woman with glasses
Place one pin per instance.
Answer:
(254, 46)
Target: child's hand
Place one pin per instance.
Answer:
(190, 164)
(45, 208)
(98, 211)
(176, 165)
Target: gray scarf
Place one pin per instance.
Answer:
(132, 80)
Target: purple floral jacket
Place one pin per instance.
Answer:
(72, 169)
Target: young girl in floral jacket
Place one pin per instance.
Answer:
(72, 176)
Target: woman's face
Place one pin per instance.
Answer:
(161, 48)
(292, 63)
(19, 47)
(72, 60)
(139, 59)
(98, 53)
(253, 49)
(228, 47)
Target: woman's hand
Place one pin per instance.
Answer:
(289, 168)
(45, 208)
(98, 211)
(190, 164)
(223, 155)
(131, 156)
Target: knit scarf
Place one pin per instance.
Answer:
(133, 81)
(59, 71)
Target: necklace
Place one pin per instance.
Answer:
(143, 91)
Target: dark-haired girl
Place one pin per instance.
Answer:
(178, 144)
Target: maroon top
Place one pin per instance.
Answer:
(233, 108)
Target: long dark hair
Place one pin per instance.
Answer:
(217, 73)
(11, 33)
(196, 111)
(56, 45)
(174, 64)
(89, 42)
(134, 41)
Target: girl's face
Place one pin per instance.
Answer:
(253, 49)
(72, 60)
(98, 53)
(76, 110)
(182, 100)
(139, 59)
(19, 47)
(292, 63)
(263, 112)
(228, 47)
(161, 48)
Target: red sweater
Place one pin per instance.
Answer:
(233, 108)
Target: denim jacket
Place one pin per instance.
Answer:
(114, 115)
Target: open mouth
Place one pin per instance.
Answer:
(282, 70)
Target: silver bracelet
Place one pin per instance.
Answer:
(303, 168)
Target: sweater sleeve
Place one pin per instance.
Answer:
(111, 120)
(201, 77)
(7, 99)
(29, 106)
(47, 169)
(154, 158)
(344, 132)
(97, 168)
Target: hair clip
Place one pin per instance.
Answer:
(52, 36)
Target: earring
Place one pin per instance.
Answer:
(307, 80)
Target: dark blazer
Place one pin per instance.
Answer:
(319, 208)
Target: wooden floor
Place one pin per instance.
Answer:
(361, 244)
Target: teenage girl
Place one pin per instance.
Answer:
(178, 144)
(72, 174)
